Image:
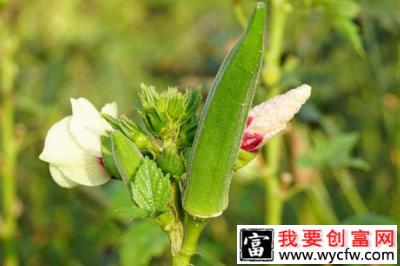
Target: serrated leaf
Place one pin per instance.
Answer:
(121, 203)
(150, 188)
(334, 152)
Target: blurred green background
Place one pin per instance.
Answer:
(338, 162)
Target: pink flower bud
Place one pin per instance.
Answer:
(269, 118)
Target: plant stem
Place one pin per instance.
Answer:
(9, 186)
(9, 149)
(193, 229)
(279, 12)
(350, 191)
(274, 200)
(238, 11)
(321, 202)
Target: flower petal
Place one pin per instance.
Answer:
(88, 171)
(87, 125)
(60, 178)
(274, 114)
(110, 109)
(62, 151)
(59, 144)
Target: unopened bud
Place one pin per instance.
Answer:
(269, 118)
(171, 162)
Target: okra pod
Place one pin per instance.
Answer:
(217, 139)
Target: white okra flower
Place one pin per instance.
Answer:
(73, 146)
(269, 118)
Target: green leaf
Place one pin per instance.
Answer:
(142, 242)
(341, 14)
(333, 153)
(221, 126)
(126, 155)
(121, 206)
(358, 163)
(107, 156)
(150, 188)
(349, 30)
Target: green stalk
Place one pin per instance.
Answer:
(8, 180)
(9, 149)
(274, 200)
(321, 202)
(350, 191)
(239, 14)
(193, 229)
(279, 11)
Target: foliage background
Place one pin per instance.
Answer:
(348, 133)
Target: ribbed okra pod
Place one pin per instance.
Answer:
(222, 122)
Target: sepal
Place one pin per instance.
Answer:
(107, 156)
(244, 157)
(166, 113)
(134, 132)
(126, 155)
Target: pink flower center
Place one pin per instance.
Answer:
(99, 160)
(251, 141)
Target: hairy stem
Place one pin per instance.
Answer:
(193, 229)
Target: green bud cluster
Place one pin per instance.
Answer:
(167, 112)
(151, 159)
(170, 124)
(170, 116)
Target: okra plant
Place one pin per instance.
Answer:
(176, 163)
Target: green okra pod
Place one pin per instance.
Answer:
(217, 140)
